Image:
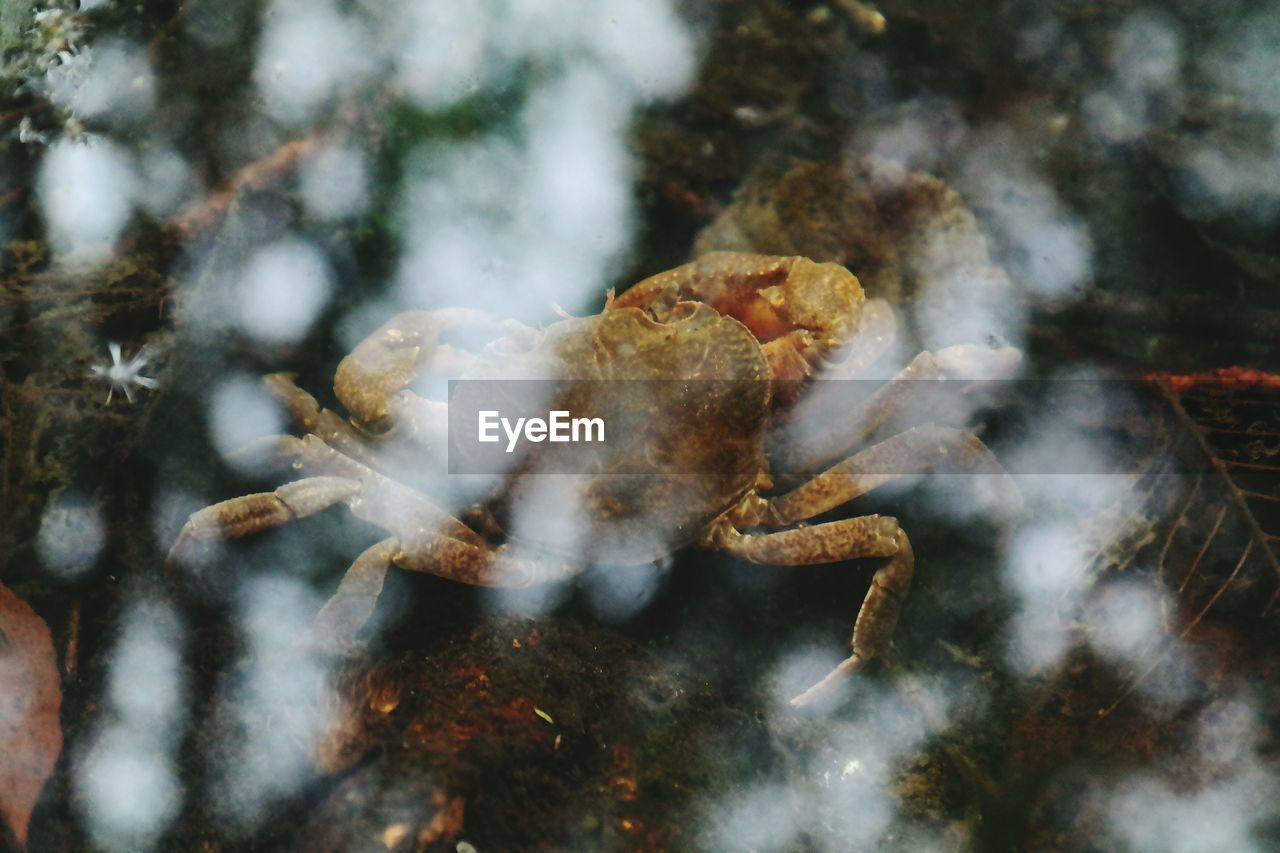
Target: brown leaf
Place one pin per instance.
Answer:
(1234, 419)
(30, 698)
(1210, 513)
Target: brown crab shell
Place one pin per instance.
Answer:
(685, 401)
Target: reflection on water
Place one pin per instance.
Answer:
(127, 780)
(247, 188)
(279, 703)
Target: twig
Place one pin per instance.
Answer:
(205, 215)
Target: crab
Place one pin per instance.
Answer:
(757, 328)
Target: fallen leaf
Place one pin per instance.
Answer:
(30, 698)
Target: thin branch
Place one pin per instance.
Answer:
(205, 215)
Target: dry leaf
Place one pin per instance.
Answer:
(30, 698)
(1208, 511)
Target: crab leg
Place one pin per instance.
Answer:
(253, 513)
(832, 542)
(480, 565)
(866, 536)
(821, 430)
(426, 538)
(915, 451)
(385, 502)
(397, 508)
(335, 627)
(876, 620)
(350, 607)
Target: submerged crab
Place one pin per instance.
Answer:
(758, 326)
